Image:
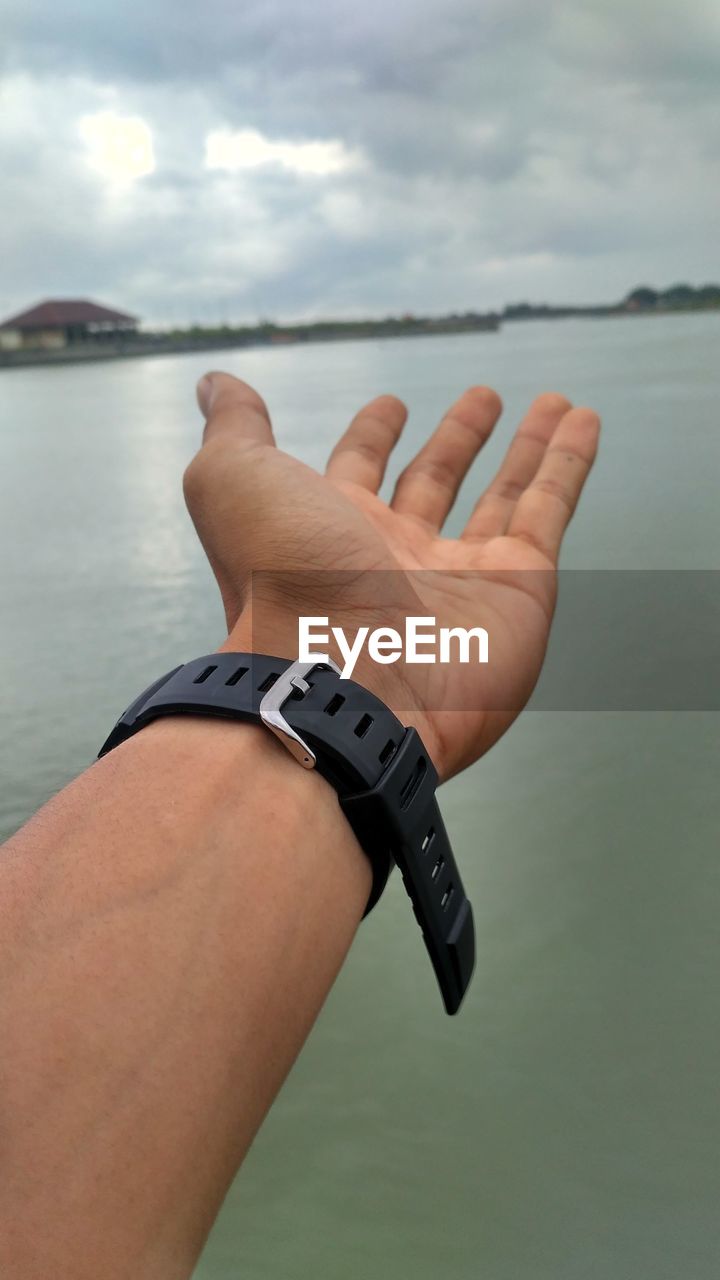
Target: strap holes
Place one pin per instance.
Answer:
(445, 900)
(437, 868)
(334, 704)
(268, 682)
(362, 726)
(428, 840)
(237, 675)
(204, 674)
(387, 751)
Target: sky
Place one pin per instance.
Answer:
(291, 159)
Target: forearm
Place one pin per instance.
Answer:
(171, 924)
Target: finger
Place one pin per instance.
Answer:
(361, 454)
(233, 408)
(494, 508)
(428, 487)
(544, 511)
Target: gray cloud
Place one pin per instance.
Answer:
(509, 149)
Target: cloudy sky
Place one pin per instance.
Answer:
(294, 158)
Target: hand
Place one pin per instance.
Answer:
(321, 542)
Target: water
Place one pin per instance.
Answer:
(567, 1123)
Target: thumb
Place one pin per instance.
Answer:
(233, 408)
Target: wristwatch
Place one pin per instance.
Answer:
(383, 775)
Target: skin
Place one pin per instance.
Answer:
(283, 540)
(162, 959)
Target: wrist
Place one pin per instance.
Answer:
(340, 731)
(207, 773)
(277, 633)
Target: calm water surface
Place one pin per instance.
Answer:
(566, 1125)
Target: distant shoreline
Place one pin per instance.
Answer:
(226, 339)
(185, 342)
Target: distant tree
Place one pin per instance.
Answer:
(678, 295)
(642, 297)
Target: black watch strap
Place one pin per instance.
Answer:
(382, 773)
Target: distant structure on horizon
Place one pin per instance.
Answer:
(64, 322)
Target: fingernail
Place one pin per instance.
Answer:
(204, 392)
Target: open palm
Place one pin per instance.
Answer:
(328, 545)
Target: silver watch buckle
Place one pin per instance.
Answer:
(291, 681)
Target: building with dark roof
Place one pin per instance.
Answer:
(64, 322)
